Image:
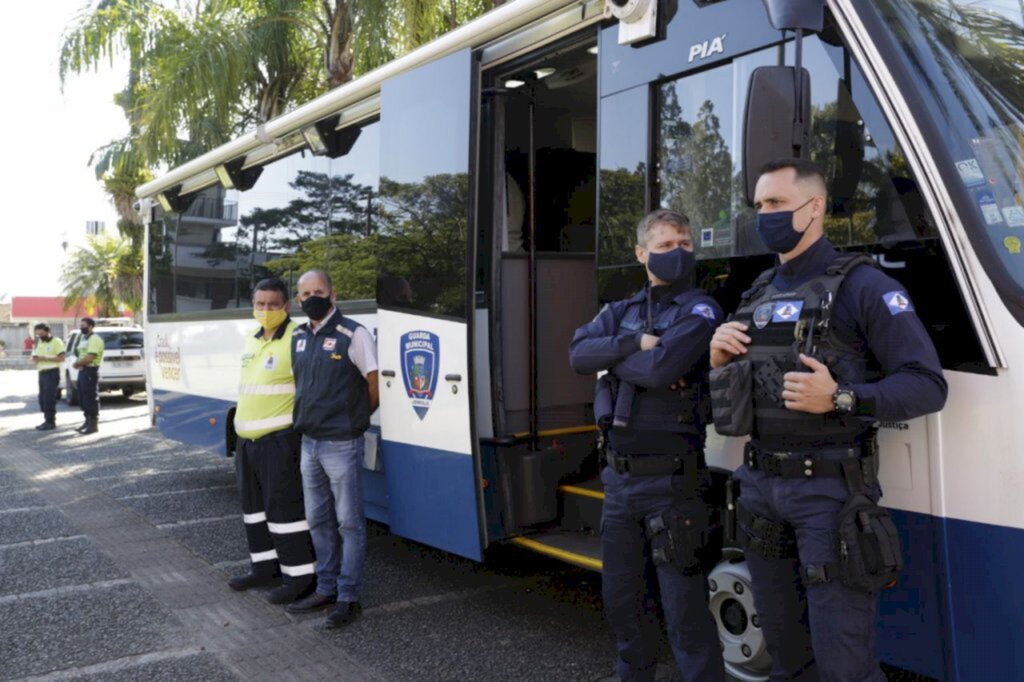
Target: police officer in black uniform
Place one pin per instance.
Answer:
(832, 346)
(655, 521)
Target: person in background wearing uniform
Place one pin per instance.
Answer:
(813, 442)
(335, 362)
(267, 455)
(48, 354)
(90, 357)
(650, 404)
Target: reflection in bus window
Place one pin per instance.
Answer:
(305, 212)
(874, 201)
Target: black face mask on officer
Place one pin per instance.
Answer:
(671, 266)
(316, 307)
(85, 330)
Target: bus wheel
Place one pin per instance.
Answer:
(739, 628)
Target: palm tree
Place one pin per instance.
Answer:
(107, 272)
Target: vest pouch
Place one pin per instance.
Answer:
(688, 536)
(732, 399)
(870, 556)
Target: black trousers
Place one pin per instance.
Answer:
(49, 382)
(89, 391)
(270, 485)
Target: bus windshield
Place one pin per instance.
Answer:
(967, 61)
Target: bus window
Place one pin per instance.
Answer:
(875, 205)
(305, 212)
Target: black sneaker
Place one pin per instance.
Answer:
(46, 426)
(343, 614)
(313, 602)
(289, 592)
(247, 582)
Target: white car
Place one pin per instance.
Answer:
(123, 368)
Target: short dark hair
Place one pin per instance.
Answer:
(42, 325)
(805, 168)
(272, 284)
(89, 321)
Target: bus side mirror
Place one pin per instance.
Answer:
(774, 127)
(789, 15)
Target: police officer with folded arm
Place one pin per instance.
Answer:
(822, 347)
(90, 356)
(656, 523)
(267, 455)
(48, 354)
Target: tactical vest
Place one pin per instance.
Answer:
(783, 324)
(661, 409)
(266, 394)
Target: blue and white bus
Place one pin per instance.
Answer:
(475, 201)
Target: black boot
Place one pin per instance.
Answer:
(46, 426)
(242, 583)
(91, 426)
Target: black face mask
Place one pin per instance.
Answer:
(84, 330)
(45, 338)
(316, 307)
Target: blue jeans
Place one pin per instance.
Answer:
(332, 483)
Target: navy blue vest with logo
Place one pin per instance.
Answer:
(332, 400)
(783, 324)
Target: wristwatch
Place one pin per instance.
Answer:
(844, 400)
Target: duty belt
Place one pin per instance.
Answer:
(815, 464)
(653, 465)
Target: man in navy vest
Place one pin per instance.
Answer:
(652, 406)
(813, 443)
(335, 365)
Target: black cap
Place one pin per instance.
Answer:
(89, 321)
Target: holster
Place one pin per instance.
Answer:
(688, 536)
(870, 555)
(732, 399)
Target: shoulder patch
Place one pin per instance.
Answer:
(897, 302)
(704, 310)
(344, 330)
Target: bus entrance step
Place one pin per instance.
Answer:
(580, 549)
(581, 505)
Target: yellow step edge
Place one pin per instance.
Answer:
(585, 492)
(569, 557)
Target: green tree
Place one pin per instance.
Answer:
(107, 272)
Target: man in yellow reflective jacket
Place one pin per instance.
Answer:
(48, 354)
(267, 455)
(90, 356)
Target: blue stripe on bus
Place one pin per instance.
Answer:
(987, 599)
(432, 498)
(957, 609)
(186, 418)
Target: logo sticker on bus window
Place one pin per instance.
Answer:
(989, 209)
(970, 172)
(421, 351)
(1014, 216)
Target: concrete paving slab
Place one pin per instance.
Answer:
(35, 524)
(73, 630)
(202, 666)
(172, 506)
(30, 568)
(214, 541)
(205, 477)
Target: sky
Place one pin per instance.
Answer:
(48, 189)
